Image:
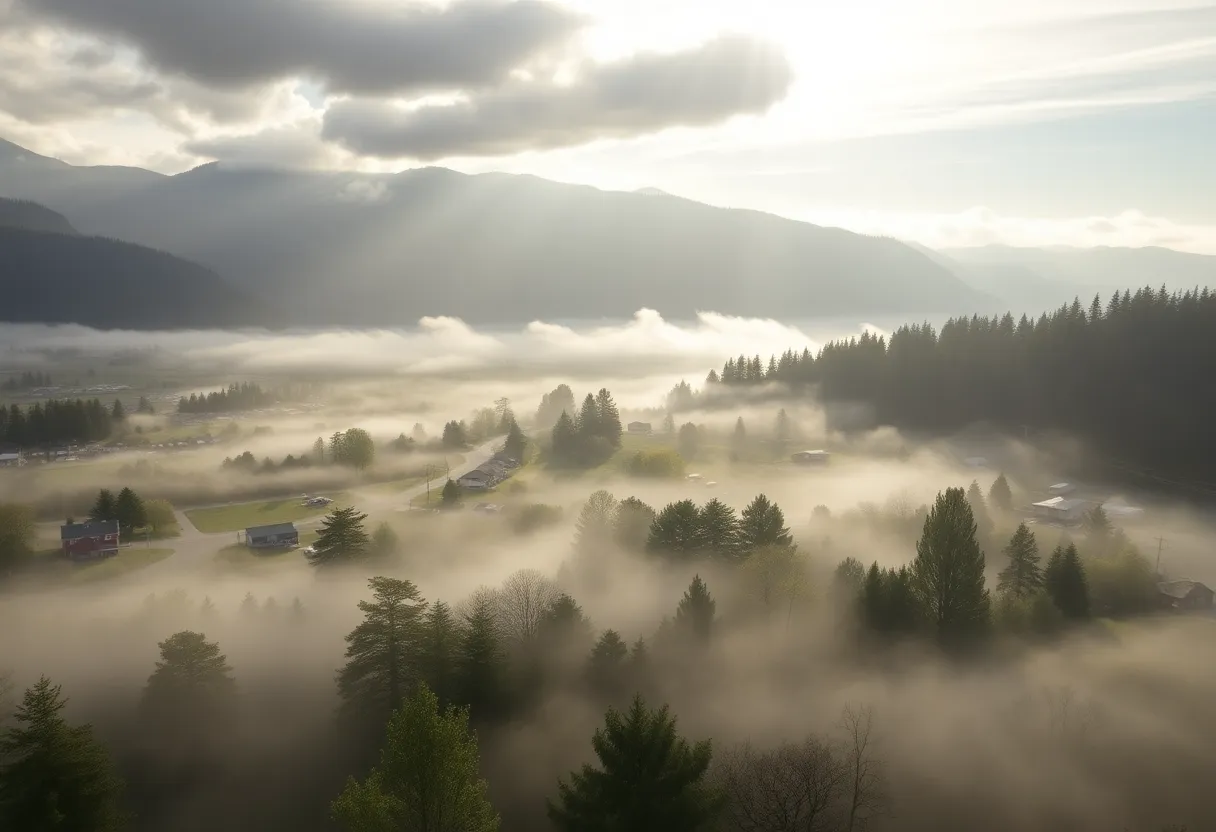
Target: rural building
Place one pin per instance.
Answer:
(811, 457)
(90, 541)
(1185, 595)
(1060, 510)
(476, 480)
(639, 427)
(489, 473)
(274, 536)
(11, 460)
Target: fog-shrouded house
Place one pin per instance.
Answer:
(10, 459)
(1185, 596)
(810, 457)
(639, 428)
(489, 474)
(90, 541)
(273, 536)
(1060, 510)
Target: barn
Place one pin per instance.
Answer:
(274, 536)
(1185, 595)
(90, 541)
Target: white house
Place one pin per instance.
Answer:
(811, 457)
(1060, 510)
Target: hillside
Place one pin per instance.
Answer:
(363, 250)
(59, 278)
(30, 216)
(1057, 275)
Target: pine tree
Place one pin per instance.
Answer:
(480, 662)
(118, 413)
(631, 527)
(385, 542)
(948, 572)
(676, 530)
(1023, 576)
(783, 431)
(145, 407)
(648, 780)
(718, 533)
(449, 497)
(515, 445)
(104, 508)
(739, 438)
(606, 666)
(54, 776)
(695, 612)
(1098, 530)
(763, 524)
(588, 420)
(341, 540)
(1065, 581)
(427, 779)
(384, 651)
(564, 440)
(1000, 497)
(608, 418)
(129, 511)
(979, 511)
(689, 441)
(191, 694)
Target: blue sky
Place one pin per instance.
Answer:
(953, 122)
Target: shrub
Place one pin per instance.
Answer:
(536, 516)
(656, 462)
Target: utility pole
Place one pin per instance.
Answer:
(1160, 546)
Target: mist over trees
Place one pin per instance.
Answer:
(1094, 371)
(55, 422)
(236, 397)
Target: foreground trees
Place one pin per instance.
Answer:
(341, 540)
(948, 572)
(427, 779)
(1022, 577)
(649, 779)
(382, 656)
(55, 777)
(192, 692)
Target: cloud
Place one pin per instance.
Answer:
(291, 146)
(356, 46)
(642, 94)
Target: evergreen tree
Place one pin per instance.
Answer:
(695, 613)
(385, 542)
(1066, 583)
(145, 407)
(979, 511)
(608, 418)
(427, 779)
(606, 668)
(129, 511)
(118, 413)
(450, 496)
(454, 437)
(341, 540)
(440, 643)
(948, 572)
(564, 440)
(516, 444)
(676, 530)
(648, 780)
(689, 441)
(191, 694)
(783, 431)
(104, 508)
(763, 524)
(739, 438)
(669, 424)
(631, 527)
(1022, 577)
(553, 405)
(564, 630)
(719, 531)
(1000, 497)
(17, 533)
(588, 420)
(55, 777)
(1098, 530)
(384, 651)
(480, 662)
(318, 451)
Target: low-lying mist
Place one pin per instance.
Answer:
(1106, 727)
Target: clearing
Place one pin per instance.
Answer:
(241, 516)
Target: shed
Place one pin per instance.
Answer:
(1185, 595)
(811, 457)
(1060, 510)
(639, 427)
(274, 536)
(90, 541)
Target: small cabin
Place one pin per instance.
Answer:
(274, 536)
(90, 541)
(1060, 510)
(810, 458)
(639, 427)
(1185, 596)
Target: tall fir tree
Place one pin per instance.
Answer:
(427, 779)
(1000, 496)
(608, 418)
(763, 524)
(649, 779)
(191, 695)
(118, 413)
(440, 643)
(481, 664)
(1023, 576)
(676, 531)
(129, 511)
(342, 540)
(718, 535)
(104, 508)
(1066, 582)
(55, 777)
(695, 612)
(384, 651)
(948, 572)
(606, 669)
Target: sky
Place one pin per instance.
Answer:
(948, 122)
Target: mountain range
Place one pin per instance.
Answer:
(354, 249)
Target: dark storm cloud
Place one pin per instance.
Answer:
(358, 47)
(643, 94)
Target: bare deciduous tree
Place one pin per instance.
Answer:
(867, 785)
(521, 603)
(797, 787)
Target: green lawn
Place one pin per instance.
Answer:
(243, 515)
(52, 566)
(240, 556)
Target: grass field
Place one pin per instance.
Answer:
(53, 567)
(239, 556)
(243, 515)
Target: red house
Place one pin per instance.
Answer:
(90, 541)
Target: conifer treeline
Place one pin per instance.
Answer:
(243, 396)
(54, 421)
(1134, 377)
(26, 381)
(590, 436)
